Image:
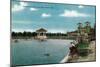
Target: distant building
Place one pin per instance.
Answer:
(41, 34)
(72, 34)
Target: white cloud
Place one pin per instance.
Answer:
(19, 7)
(73, 13)
(80, 6)
(33, 9)
(45, 15)
(23, 4)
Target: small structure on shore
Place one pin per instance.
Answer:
(41, 34)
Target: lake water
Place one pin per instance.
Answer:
(28, 52)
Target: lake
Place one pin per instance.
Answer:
(31, 52)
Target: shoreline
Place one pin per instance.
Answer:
(90, 57)
(65, 58)
(38, 39)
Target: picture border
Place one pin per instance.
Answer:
(47, 3)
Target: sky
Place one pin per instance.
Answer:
(54, 17)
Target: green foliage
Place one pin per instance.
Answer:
(83, 49)
(83, 45)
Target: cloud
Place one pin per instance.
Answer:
(45, 15)
(19, 7)
(33, 9)
(80, 6)
(73, 13)
(23, 4)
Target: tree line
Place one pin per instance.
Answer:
(33, 34)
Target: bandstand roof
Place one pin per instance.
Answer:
(41, 30)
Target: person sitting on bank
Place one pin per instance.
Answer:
(75, 42)
(73, 50)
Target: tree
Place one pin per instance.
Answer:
(87, 27)
(80, 26)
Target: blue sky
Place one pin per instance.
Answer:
(30, 16)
